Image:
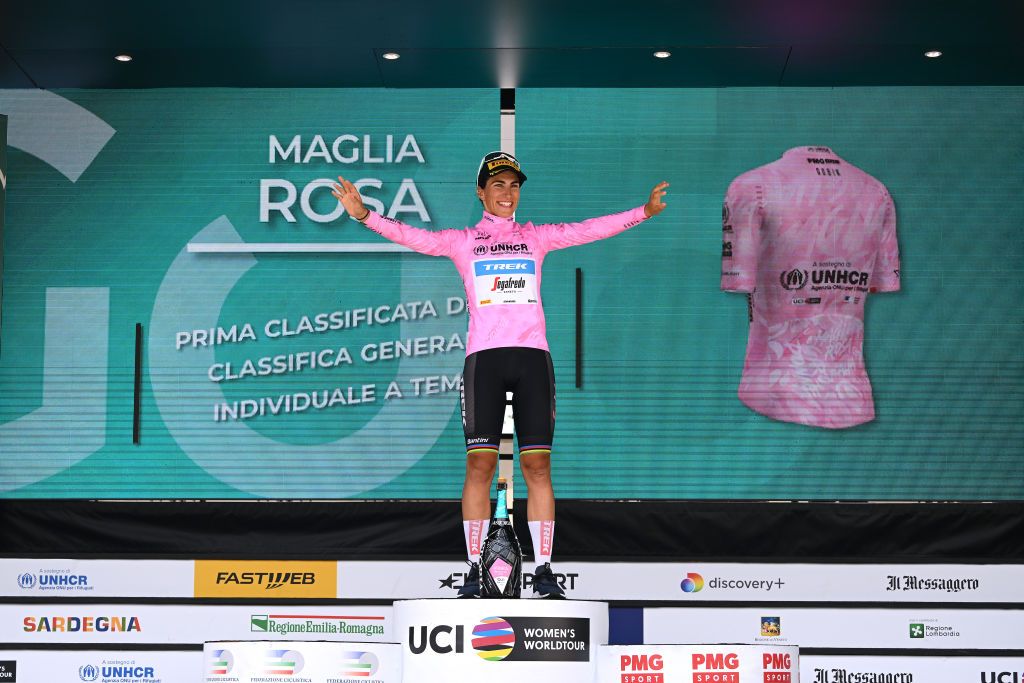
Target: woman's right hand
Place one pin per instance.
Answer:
(349, 197)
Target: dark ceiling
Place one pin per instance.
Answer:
(509, 43)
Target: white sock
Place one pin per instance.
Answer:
(476, 532)
(542, 532)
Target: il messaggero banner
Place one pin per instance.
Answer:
(919, 669)
(287, 350)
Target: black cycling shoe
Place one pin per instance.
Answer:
(545, 585)
(471, 583)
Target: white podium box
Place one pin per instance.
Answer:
(698, 664)
(269, 661)
(500, 641)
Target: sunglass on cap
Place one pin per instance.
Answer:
(494, 163)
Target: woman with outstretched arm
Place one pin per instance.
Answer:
(500, 261)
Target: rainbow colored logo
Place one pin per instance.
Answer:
(493, 639)
(221, 662)
(692, 583)
(359, 664)
(282, 663)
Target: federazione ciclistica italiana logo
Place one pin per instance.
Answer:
(358, 664)
(282, 662)
(221, 663)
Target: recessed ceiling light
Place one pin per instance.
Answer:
(123, 58)
(932, 54)
(662, 54)
(391, 55)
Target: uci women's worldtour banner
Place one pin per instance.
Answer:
(287, 350)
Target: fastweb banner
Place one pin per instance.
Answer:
(909, 628)
(286, 350)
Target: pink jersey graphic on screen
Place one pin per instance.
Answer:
(808, 237)
(499, 262)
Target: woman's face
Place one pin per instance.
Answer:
(501, 194)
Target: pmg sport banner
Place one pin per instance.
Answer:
(287, 351)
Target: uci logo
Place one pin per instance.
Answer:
(793, 279)
(439, 639)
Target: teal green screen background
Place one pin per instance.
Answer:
(657, 414)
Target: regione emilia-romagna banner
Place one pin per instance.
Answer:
(288, 350)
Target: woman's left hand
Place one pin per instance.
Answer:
(655, 205)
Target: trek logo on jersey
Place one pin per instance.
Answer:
(505, 281)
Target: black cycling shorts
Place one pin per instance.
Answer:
(529, 375)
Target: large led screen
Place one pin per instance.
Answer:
(285, 351)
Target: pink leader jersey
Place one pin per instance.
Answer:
(500, 261)
(808, 236)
